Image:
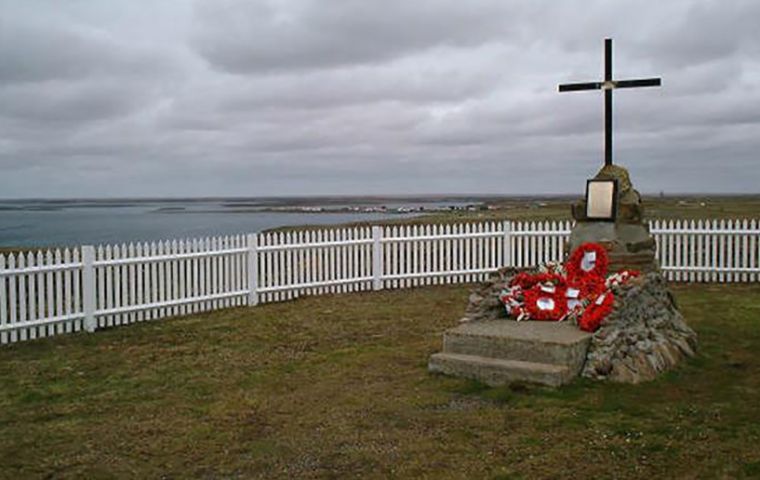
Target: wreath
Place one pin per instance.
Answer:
(579, 291)
(596, 311)
(587, 259)
(544, 302)
(526, 280)
(590, 286)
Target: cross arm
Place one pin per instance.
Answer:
(572, 87)
(641, 82)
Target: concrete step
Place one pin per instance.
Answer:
(529, 341)
(495, 372)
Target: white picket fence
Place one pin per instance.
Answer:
(44, 294)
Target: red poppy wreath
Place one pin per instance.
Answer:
(546, 302)
(596, 312)
(580, 292)
(587, 259)
(590, 286)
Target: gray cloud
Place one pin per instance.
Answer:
(69, 102)
(244, 37)
(35, 51)
(306, 97)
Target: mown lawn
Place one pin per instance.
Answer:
(337, 387)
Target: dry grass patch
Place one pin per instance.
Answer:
(336, 387)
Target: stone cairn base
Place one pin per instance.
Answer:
(645, 334)
(627, 240)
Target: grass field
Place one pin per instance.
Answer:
(337, 387)
(692, 207)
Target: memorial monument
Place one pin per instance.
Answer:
(623, 327)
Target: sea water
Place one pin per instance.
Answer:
(43, 223)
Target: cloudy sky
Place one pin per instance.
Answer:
(292, 97)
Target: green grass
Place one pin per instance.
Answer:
(337, 387)
(687, 207)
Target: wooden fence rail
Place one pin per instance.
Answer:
(87, 288)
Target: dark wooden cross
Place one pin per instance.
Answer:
(608, 85)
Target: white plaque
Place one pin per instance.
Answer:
(600, 201)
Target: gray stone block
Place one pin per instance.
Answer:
(496, 372)
(498, 352)
(542, 342)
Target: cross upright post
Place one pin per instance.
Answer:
(608, 102)
(608, 85)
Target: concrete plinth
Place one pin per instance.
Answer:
(499, 352)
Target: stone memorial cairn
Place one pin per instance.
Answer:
(641, 333)
(643, 336)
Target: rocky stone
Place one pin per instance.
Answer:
(647, 326)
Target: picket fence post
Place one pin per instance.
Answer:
(88, 288)
(252, 242)
(507, 244)
(377, 258)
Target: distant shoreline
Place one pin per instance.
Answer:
(423, 204)
(331, 200)
(26, 224)
(331, 210)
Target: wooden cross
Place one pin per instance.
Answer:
(608, 85)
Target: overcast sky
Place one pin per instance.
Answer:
(293, 97)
